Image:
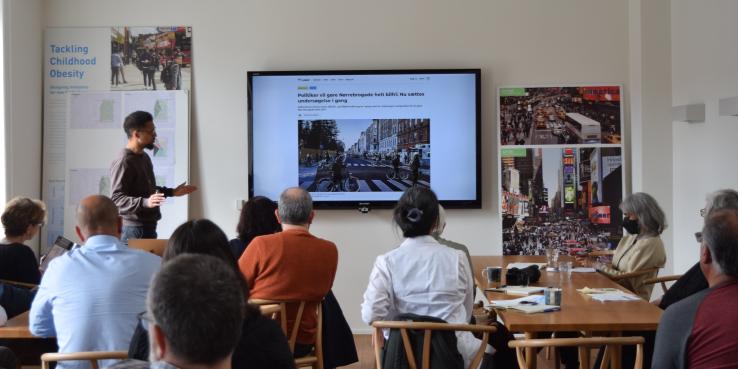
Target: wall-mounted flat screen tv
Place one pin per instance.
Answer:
(360, 138)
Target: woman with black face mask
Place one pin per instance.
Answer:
(641, 247)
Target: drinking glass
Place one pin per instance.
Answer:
(565, 269)
(552, 257)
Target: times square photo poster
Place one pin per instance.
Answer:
(560, 168)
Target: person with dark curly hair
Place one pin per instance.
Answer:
(22, 219)
(257, 219)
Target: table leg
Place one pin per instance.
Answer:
(616, 354)
(530, 352)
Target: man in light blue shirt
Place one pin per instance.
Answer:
(89, 298)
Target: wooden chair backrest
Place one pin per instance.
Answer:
(273, 311)
(634, 282)
(583, 344)
(427, 329)
(268, 308)
(91, 356)
(663, 280)
(154, 246)
(19, 284)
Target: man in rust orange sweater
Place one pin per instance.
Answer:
(292, 264)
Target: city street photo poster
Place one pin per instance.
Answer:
(564, 115)
(565, 198)
(150, 58)
(363, 155)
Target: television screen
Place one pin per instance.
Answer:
(362, 137)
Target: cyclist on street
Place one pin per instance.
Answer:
(415, 167)
(337, 170)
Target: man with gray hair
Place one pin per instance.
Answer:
(699, 331)
(89, 298)
(292, 265)
(693, 281)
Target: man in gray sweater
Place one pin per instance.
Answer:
(134, 188)
(699, 331)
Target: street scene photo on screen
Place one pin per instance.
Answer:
(560, 115)
(563, 198)
(363, 155)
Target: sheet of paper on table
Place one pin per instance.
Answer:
(608, 294)
(583, 270)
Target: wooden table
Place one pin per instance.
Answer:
(17, 327)
(578, 311)
(27, 347)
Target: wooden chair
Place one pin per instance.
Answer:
(91, 356)
(663, 280)
(427, 329)
(19, 284)
(315, 360)
(633, 276)
(584, 344)
(153, 246)
(271, 310)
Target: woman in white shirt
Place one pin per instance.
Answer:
(422, 276)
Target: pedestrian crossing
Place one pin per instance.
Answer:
(375, 185)
(368, 165)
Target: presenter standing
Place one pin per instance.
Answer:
(134, 188)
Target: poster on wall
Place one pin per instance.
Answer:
(102, 59)
(560, 115)
(560, 168)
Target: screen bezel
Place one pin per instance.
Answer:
(451, 204)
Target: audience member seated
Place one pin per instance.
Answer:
(262, 343)
(89, 298)
(641, 248)
(699, 331)
(197, 327)
(423, 277)
(257, 219)
(22, 220)
(7, 359)
(292, 265)
(693, 281)
(15, 300)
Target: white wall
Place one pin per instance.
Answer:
(23, 32)
(514, 42)
(704, 61)
(650, 106)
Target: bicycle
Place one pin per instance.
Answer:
(350, 184)
(403, 173)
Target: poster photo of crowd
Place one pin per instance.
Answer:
(560, 115)
(150, 58)
(363, 155)
(565, 198)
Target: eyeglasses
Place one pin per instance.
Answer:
(703, 211)
(698, 236)
(151, 132)
(145, 319)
